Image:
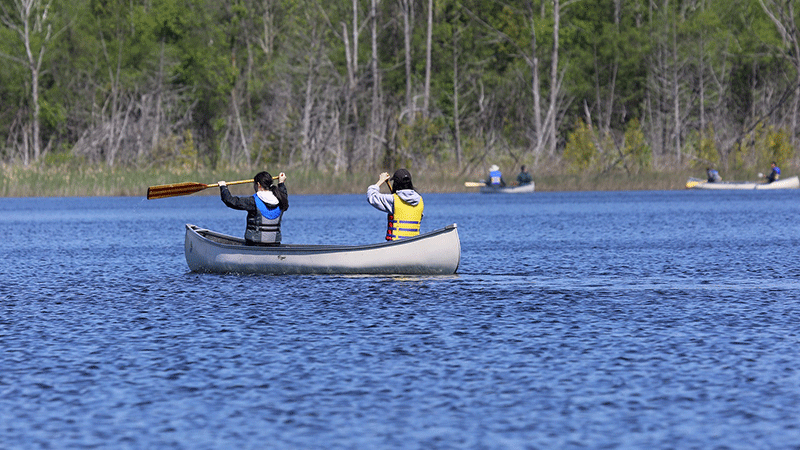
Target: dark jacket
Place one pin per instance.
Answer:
(259, 230)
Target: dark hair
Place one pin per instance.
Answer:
(522, 167)
(264, 179)
(401, 180)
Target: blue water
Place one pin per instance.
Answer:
(654, 320)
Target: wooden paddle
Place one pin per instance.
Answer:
(474, 183)
(694, 182)
(186, 188)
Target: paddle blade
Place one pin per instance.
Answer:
(693, 182)
(174, 190)
(474, 184)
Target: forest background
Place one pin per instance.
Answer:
(103, 97)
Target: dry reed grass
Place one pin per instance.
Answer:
(101, 181)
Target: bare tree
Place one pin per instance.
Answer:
(375, 120)
(266, 36)
(29, 20)
(533, 62)
(428, 45)
(405, 7)
(456, 112)
(550, 132)
(783, 15)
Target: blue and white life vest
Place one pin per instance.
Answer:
(495, 176)
(266, 227)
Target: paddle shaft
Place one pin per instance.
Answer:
(174, 190)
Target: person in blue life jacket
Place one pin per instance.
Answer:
(264, 208)
(713, 175)
(495, 177)
(775, 174)
(523, 177)
(403, 206)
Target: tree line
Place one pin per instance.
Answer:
(349, 85)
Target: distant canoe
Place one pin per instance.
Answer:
(524, 189)
(434, 253)
(787, 183)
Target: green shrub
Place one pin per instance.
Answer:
(580, 152)
(636, 150)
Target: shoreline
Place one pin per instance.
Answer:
(82, 182)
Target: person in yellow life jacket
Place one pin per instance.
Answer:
(404, 205)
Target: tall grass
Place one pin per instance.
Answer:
(79, 181)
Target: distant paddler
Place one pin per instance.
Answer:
(713, 175)
(775, 174)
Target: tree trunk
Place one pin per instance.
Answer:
(554, 84)
(26, 11)
(428, 44)
(782, 14)
(456, 116)
(160, 83)
(535, 87)
(308, 105)
(676, 98)
(406, 7)
(376, 87)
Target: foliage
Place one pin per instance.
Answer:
(636, 150)
(194, 84)
(765, 145)
(581, 153)
(419, 142)
(701, 148)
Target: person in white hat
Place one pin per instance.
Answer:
(495, 177)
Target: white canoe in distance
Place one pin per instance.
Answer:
(435, 253)
(524, 189)
(787, 183)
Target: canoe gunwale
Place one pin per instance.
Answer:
(524, 189)
(239, 244)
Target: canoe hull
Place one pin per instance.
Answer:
(525, 189)
(434, 253)
(787, 183)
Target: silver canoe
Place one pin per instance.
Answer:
(434, 253)
(786, 183)
(525, 188)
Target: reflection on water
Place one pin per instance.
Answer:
(577, 320)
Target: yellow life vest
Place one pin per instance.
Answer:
(405, 221)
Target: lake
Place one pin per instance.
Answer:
(656, 319)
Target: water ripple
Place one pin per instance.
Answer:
(609, 324)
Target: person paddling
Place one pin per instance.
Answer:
(775, 174)
(264, 208)
(523, 178)
(495, 177)
(403, 205)
(713, 175)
